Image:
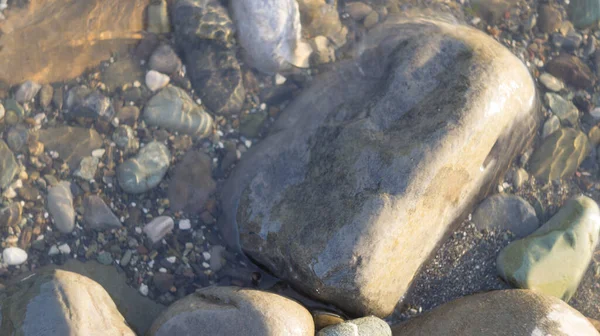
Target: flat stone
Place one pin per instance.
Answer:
(173, 109)
(98, 216)
(357, 10)
(14, 256)
(584, 13)
(87, 168)
(28, 193)
(94, 106)
(158, 228)
(165, 60)
(71, 143)
(70, 36)
(571, 70)
(551, 83)
(506, 212)
(192, 183)
(128, 115)
(559, 155)
(504, 312)
(565, 110)
(123, 72)
(364, 326)
(554, 258)
(16, 138)
(382, 138)
(105, 258)
(233, 311)
(251, 123)
(8, 165)
(550, 126)
(144, 171)
(27, 91)
(57, 302)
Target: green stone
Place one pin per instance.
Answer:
(105, 258)
(554, 258)
(251, 123)
(560, 154)
(584, 13)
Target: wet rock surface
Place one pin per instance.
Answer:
(144, 171)
(321, 236)
(71, 143)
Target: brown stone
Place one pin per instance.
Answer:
(51, 40)
(571, 70)
(549, 19)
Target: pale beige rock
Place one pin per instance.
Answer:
(61, 39)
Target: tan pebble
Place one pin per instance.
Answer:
(371, 20)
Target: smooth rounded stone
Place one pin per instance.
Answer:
(233, 311)
(371, 20)
(13, 256)
(504, 312)
(269, 31)
(506, 212)
(158, 18)
(16, 138)
(594, 136)
(12, 107)
(559, 155)
(11, 215)
(392, 134)
(28, 193)
(144, 171)
(27, 91)
(71, 143)
(571, 70)
(97, 215)
(128, 115)
(57, 303)
(60, 207)
(365, 326)
(156, 80)
(87, 168)
(357, 10)
(551, 83)
(76, 95)
(158, 228)
(173, 109)
(204, 31)
(584, 13)
(192, 183)
(94, 106)
(565, 110)
(550, 126)
(105, 258)
(321, 18)
(519, 177)
(555, 257)
(125, 139)
(46, 94)
(2, 111)
(8, 165)
(549, 18)
(165, 60)
(126, 258)
(595, 114)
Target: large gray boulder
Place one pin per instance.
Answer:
(369, 168)
(500, 313)
(233, 311)
(58, 303)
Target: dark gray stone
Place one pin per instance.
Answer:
(377, 160)
(165, 60)
(506, 212)
(97, 215)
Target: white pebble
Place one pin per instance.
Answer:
(1, 111)
(53, 251)
(98, 153)
(162, 270)
(144, 289)
(279, 79)
(206, 255)
(64, 249)
(14, 256)
(156, 81)
(158, 228)
(205, 264)
(9, 193)
(172, 259)
(138, 230)
(185, 224)
(137, 84)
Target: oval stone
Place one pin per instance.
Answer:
(144, 171)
